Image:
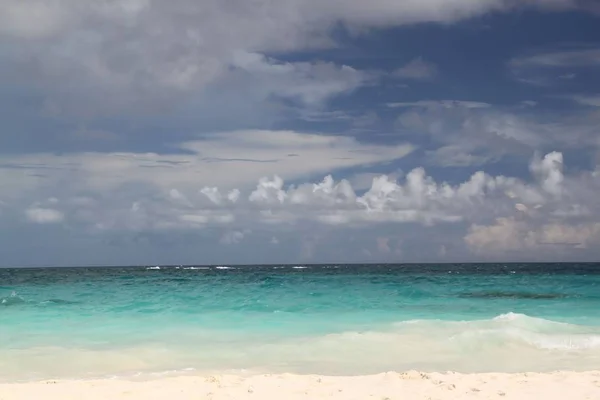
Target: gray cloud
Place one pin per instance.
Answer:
(113, 57)
(472, 133)
(585, 100)
(449, 104)
(418, 69)
(226, 159)
(567, 58)
(44, 215)
(543, 68)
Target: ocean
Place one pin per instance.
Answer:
(141, 322)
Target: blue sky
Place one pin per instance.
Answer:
(147, 132)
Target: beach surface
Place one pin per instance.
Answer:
(391, 385)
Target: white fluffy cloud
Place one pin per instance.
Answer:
(418, 199)
(554, 210)
(552, 214)
(549, 172)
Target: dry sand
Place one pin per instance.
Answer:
(390, 386)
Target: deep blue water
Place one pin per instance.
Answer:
(332, 319)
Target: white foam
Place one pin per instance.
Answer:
(508, 329)
(509, 342)
(562, 342)
(510, 316)
(14, 298)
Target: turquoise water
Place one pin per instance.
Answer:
(327, 319)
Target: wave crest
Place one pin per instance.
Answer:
(508, 329)
(12, 300)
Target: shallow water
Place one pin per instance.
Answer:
(327, 319)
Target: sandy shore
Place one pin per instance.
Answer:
(390, 386)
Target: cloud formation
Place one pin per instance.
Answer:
(468, 133)
(214, 125)
(227, 159)
(508, 236)
(496, 213)
(418, 69)
(145, 55)
(549, 67)
(41, 215)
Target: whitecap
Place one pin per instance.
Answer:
(13, 299)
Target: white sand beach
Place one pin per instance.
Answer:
(387, 386)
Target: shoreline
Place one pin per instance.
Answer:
(390, 385)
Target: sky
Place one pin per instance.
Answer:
(299, 131)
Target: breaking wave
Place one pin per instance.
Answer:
(15, 299)
(509, 329)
